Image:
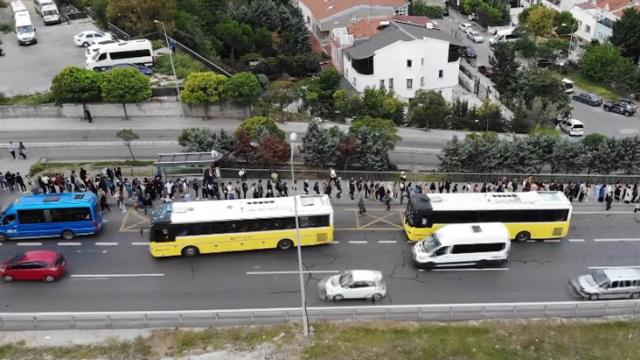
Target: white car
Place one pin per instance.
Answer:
(353, 284)
(573, 127)
(474, 36)
(87, 38)
(465, 27)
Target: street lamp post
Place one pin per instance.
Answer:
(303, 306)
(173, 68)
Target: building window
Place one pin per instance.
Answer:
(440, 73)
(422, 61)
(390, 83)
(308, 20)
(422, 81)
(382, 84)
(409, 83)
(587, 28)
(409, 63)
(353, 18)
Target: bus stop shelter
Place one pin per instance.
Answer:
(185, 163)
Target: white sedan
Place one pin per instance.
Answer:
(88, 38)
(474, 36)
(353, 284)
(465, 27)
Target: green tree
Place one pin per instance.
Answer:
(540, 21)
(462, 115)
(127, 136)
(236, 37)
(629, 154)
(553, 48)
(526, 46)
(541, 83)
(259, 127)
(347, 106)
(568, 157)
(598, 61)
(76, 85)
(349, 147)
(539, 112)
(319, 94)
(203, 88)
(565, 23)
(320, 145)
(506, 69)
(244, 88)
(420, 8)
(489, 116)
(376, 138)
(626, 34)
(452, 156)
(382, 103)
(601, 158)
(137, 17)
(125, 85)
(204, 140)
(481, 153)
(383, 127)
(428, 109)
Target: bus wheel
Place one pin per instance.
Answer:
(523, 236)
(68, 235)
(190, 251)
(285, 244)
(3, 237)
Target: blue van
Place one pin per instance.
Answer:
(51, 215)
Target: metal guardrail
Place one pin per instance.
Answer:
(202, 318)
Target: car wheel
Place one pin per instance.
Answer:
(376, 297)
(48, 278)
(626, 113)
(68, 235)
(85, 44)
(7, 278)
(285, 244)
(606, 108)
(523, 236)
(190, 251)
(338, 297)
(635, 296)
(594, 297)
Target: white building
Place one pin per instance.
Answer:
(596, 18)
(404, 57)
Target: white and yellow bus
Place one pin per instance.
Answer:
(527, 215)
(202, 227)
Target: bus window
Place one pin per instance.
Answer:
(31, 216)
(70, 214)
(161, 234)
(9, 219)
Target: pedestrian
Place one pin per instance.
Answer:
(636, 207)
(12, 150)
(172, 46)
(305, 186)
(327, 189)
(387, 200)
(120, 201)
(22, 150)
(608, 199)
(628, 195)
(361, 209)
(338, 183)
(243, 174)
(332, 176)
(316, 188)
(87, 116)
(103, 201)
(20, 182)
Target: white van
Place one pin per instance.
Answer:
(139, 52)
(567, 86)
(25, 32)
(48, 10)
(504, 35)
(479, 244)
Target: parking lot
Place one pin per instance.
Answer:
(28, 69)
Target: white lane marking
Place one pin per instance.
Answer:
(553, 241)
(106, 244)
(358, 241)
(387, 241)
(140, 243)
(614, 240)
(69, 243)
(292, 272)
(114, 275)
(530, 241)
(29, 244)
(612, 267)
(335, 242)
(602, 212)
(576, 240)
(471, 269)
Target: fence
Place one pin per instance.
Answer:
(216, 318)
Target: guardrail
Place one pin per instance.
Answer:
(216, 318)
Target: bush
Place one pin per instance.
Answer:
(76, 85)
(185, 65)
(259, 126)
(30, 99)
(6, 28)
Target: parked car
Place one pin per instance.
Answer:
(143, 69)
(618, 107)
(630, 102)
(465, 26)
(588, 98)
(607, 283)
(486, 70)
(90, 37)
(474, 36)
(572, 127)
(470, 53)
(353, 284)
(471, 16)
(42, 265)
(445, 11)
(543, 63)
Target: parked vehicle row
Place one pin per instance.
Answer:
(621, 106)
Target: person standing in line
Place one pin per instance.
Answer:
(120, 197)
(627, 195)
(636, 208)
(361, 209)
(332, 176)
(327, 189)
(352, 189)
(305, 186)
(254, 190)
(195, 186)
(22, 151)
(608, 200)
(316, 188)
(12, 150)
(245, 189)
(387, 199)
(338, 183)
(20, 182)
(260, 188)
(103, 201)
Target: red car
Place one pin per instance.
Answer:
(42, 265)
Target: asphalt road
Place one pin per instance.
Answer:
(114, 271)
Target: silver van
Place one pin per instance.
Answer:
(608, 283)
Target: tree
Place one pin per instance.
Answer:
(203, 88)
(320, 146)
(244, 88)
(127, 136)
(125, 85)
(428, 109)
(245, 148)
(489, 115)
(539, 112)
(349, 147)
(76, 85)
(319, 94)
(452, 156)
(541, 83)
(382, 127)
(376, 137)
(481, 153)
(526, 46)
(382, 103)
(236, 37)
(553, 48)
(601, 158)
(137, 17)
(259, 127)
(204, 139)
(565, 23)
(506, 69)
(599, 60)
(629, 154)
(568, 157)
(540, 21)
(626, 34)
(420, 8)
(274, 150)
(347, 106)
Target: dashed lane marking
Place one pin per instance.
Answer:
(553, 241)
(602, 212)
(576, 240)
(69, 244)
(612, 267)
(140, 243)
(292, 272)
(616, 240)
(106, 276)
(387, 241)
(106, 244)
(471, 269)
(358, 241)
(29, 244)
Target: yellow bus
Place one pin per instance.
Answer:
(527, 215)
(203, 227)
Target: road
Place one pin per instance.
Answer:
(114, 271)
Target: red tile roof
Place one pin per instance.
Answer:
(368, 27)
(587, 5)
(325, 8)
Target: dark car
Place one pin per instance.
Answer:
(630, 102)
(143, 69)
(588, 98)
(445, 11)
(543, 63)
(619, 107)
(470, 53)
(38, 265)
(486, 70)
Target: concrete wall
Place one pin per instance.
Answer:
(145, 109)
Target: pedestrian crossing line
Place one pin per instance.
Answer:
(140, 243)
(69, 244)
(387, 241)
(29, 244)
(576, 240)
(358, 242)
(106, 244)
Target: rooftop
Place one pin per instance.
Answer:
(366, 28)
(325, 8)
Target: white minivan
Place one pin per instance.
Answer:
(139, 52)
(480, 244)
(504, 35)
(48, 10)
(25, 32)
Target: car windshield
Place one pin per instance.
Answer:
(345, 279)
(431, 243)
(599, 277)
(25, 29)
(578, 126)
(49, 12)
